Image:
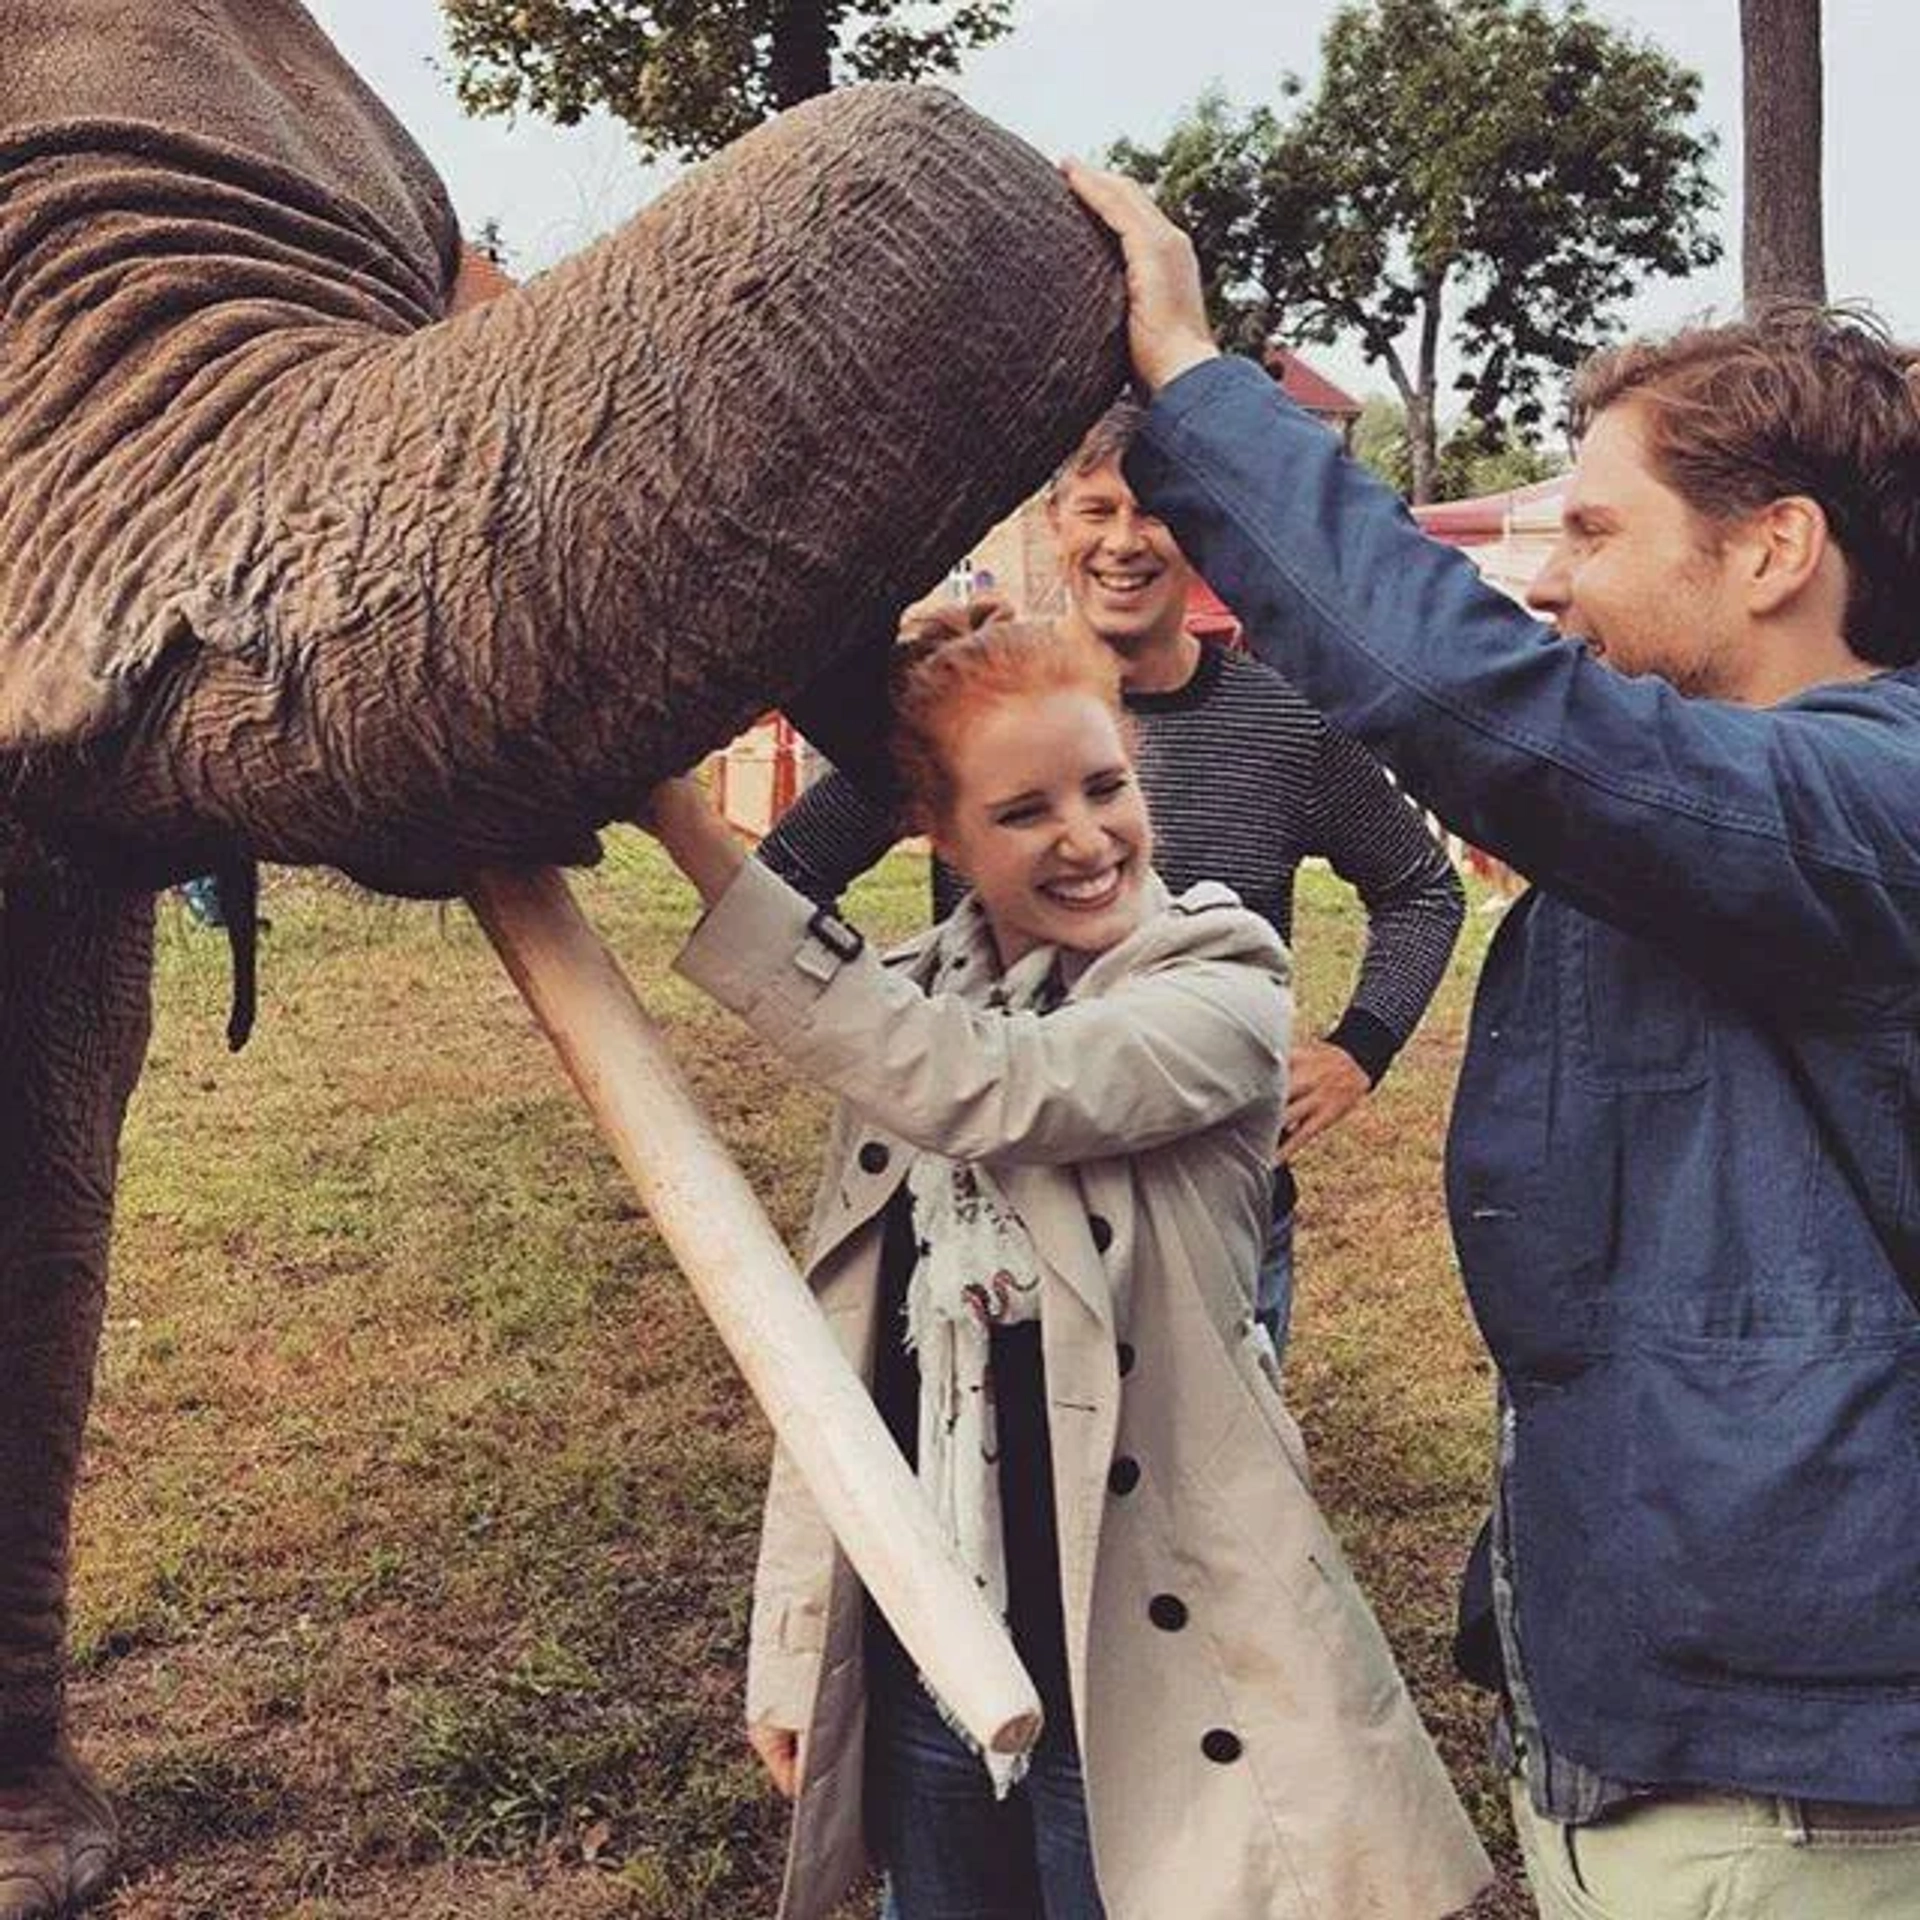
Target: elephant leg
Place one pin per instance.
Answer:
(75, 961)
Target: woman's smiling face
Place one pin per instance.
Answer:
(1046, 821)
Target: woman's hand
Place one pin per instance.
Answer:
(938, 607)
(680, 816)
(779, 1751)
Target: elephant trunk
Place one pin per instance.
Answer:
(449, 600)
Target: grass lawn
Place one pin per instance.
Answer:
(417, 1528)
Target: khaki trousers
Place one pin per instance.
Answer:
(1724, 1856)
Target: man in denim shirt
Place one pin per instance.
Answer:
(1684, 1174)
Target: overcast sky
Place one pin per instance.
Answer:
(1076, 74)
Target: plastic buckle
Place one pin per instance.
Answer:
(842, 941)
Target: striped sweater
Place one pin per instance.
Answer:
(1244, 780)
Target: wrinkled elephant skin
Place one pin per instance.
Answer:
(294, 565)
(59, 1837)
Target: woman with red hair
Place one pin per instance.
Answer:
(1044, 1205)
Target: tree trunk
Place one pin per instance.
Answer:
(1783, 254)
(1423, 413)
(1422, 453)
(802, 61)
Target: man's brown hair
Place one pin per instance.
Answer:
(1104, 444)
(1810, 401)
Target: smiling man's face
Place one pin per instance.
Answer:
(1649, 584)
(1125, 576)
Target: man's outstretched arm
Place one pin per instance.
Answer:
(1617, 792)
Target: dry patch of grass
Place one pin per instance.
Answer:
(1385, 1370)
(418, 1523)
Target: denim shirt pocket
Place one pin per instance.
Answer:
(1868, 1203)
(1770, 1493)
(1640, 1021)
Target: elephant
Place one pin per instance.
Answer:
(298, 564)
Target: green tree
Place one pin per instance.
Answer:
(687, 76)
(1211, 174)
(1380, 441)
(1473, 458)
(1495, 174)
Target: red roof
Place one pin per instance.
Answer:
(1475, 523)
(1309, 389)
(1208, 615)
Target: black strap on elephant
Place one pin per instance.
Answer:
(238, 882)
(229, 898)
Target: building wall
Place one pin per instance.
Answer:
(1018, 554)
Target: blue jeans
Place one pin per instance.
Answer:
(951, 1850)
(1273, 1291)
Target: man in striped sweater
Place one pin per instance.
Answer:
(1244, 780)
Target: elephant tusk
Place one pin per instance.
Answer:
(744, 1278)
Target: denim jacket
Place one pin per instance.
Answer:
(1683, 1172)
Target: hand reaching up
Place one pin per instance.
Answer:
(779, 1751)
(1167, 329)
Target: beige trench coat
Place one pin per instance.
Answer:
(1262, 1760)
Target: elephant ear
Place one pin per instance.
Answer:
(195, 197)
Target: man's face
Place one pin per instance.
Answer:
(1639, 575)
(1124, 575)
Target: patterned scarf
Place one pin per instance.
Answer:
(977, 1270)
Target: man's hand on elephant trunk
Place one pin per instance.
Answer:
(931, 612)
(1167, 329)
(1324, 1084)
(680, 816)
